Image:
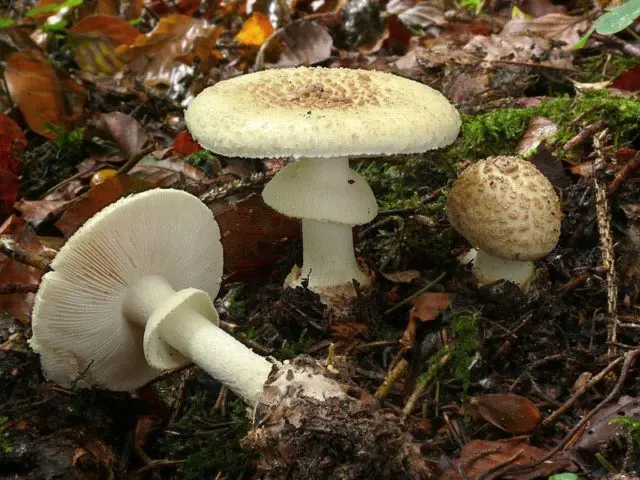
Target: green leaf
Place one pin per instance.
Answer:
(54, 8)
(564, 476)
(585, 38)
(618, 19)
(6, 22)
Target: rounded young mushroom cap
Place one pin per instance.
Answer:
(79, 326)
(507, 208)
(321, 112)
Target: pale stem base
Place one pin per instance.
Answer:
(328, 256)
(488, 269)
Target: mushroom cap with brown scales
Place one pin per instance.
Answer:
(506, 207)
(321, 112)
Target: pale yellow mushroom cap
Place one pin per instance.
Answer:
(506, 207)
(321, 112)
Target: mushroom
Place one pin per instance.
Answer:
(322, 117)
(120, 306)
(129, 296)
(510, 213)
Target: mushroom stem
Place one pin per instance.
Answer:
(198, 338)
(488, 269)
(328, 256)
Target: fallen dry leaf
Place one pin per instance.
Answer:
(125, 130)
(538, 130)
(540, 8)
(509, 412)
(184, 144)
(93, 41)
(480, 457)
(407, 276)
(427, 306)
(255, 30)
(629, 80)
(12, 272)
(253, 237)
(304, 43)
(34, 87)
(12, 144)
(156, 55)
(38, 211)
(554, 26)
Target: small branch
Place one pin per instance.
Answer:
(415, 295)
(585, 134)
(398, 371)
(133, 161)
(624, 173)
(619, 44)
(628, 360)
(423, 382)
(10, 248)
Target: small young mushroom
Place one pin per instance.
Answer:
(510, 213)
(322, 116)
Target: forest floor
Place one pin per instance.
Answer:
(486, 378)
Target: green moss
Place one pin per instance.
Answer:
(499, 131)
(392, 184)
(292, 349)
(465, 336)
(5, 444)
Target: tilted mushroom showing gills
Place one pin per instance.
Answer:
(510, 213)
(130, 296)
(322, 116)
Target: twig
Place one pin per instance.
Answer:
(423, 382)
(415, 295)
(618, 44)
(398, 371)
(156, 464)
(230, 188)
(628, 359)
(133, 161)
(584, 134)
(581, 391)
(624, 173)
(606, 244)
(10, 248)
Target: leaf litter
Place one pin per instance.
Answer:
(93, 96)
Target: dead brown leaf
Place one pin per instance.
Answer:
(538, 130)
(554, 26)
(480, 457)
(13, 272)
(509, 412)
(38, 211)
(253, 237)
(428, 305)
(255, 30)
(125, 130)
(156, 55)
(304, 43)
(407, 276)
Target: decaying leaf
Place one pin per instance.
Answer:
(554, 26)
(628, 80)
(304, 43)
(125, 130)
(184, 144)
(16, 273)
(255, 30)
(428, 305)
(407, 276)
(35, 89)
(253, 236)
(509, 412)
(156, 55)
(12, 144)
(538, 130)
(601, 430)
(93, 41)
(483, 457)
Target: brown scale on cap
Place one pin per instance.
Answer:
(506, 207)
